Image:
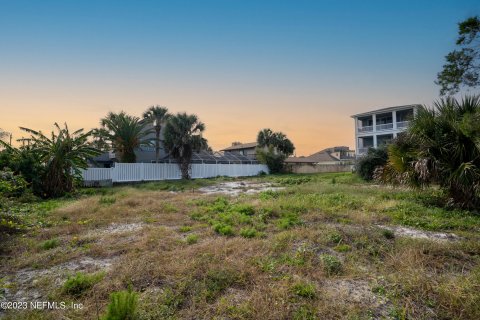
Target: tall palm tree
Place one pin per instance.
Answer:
(157, 116)
(183, 136)
(125, 133)
(62, 154)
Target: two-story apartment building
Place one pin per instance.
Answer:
(378, 127)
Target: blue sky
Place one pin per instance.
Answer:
(302, 67)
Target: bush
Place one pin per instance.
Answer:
(78, 284)
(11, 185)
(274, 161)
(365, 166)
(122, 306)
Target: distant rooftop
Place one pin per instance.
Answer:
(320, 156)
(240, 146)
(389, 109)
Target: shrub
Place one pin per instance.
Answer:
(441, 146)
(365, 166)
(11, 185)
(122, 306)
(78, 284)
(274, 161)
(331, 264)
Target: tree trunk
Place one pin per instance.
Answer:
(157, 143)
(185, 169)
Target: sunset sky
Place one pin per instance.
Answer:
(300, 67)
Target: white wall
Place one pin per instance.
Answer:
(131, 172)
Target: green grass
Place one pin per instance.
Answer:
(298, 253)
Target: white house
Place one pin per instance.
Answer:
(378, 127)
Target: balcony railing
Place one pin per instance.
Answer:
(363, 150)
(402, 124)
(365, 129)
(385, 126)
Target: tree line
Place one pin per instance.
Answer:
(51, 164)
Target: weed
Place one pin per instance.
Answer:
(223, 229)
(81, 282)
(288, 220)
(216, 281)
(122, 306)
(191, 239)
(389, 234)
(248, 233)
(335, 237)
(304, 312)
(49, 244)
(342, 248)
(304, 290)
(107, 200)
(331, 264)
(245, 209)
(184, 229)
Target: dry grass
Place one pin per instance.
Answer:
(315, 252)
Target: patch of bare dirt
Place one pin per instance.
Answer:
(421, 234)
(116, 228)
(356, 291)
(239, 187)
(24, 284)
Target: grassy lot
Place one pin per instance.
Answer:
(327, 246)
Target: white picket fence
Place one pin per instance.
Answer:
(132, 172)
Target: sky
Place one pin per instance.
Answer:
(302, 67)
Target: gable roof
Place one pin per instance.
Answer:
(241, 146)
(320, 156)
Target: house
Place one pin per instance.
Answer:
(244, 149)
(335, 159)
(379, 127)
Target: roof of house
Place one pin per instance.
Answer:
(389, 109)
(241, 146)
(320, 156)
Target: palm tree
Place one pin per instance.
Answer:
(156, 115)
(278, 148)
(62, 155)
(183, 136)
(442, 145)
(276, 140)
(125, 133)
